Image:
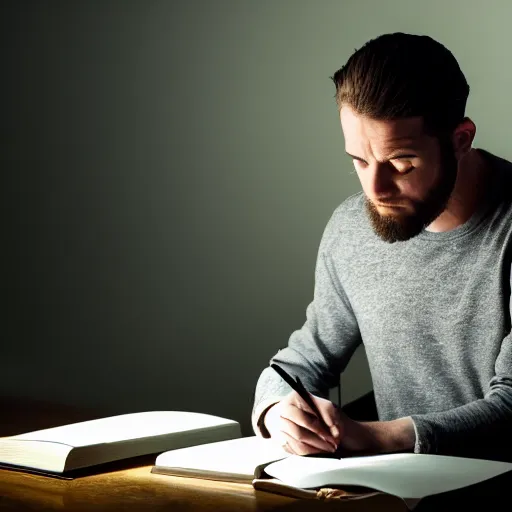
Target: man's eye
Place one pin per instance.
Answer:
(358, 164)
(404, 166)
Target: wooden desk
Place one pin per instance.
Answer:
(138, 489)
(135, 488)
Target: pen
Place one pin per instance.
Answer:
(297, 386)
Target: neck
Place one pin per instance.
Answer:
(467, 193)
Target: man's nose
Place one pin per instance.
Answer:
(382, 180)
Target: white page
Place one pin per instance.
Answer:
(235, 456)
(125, 426)
(404, 475)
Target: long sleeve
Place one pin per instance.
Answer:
(434, 313)
(481, 428)
(319, 351)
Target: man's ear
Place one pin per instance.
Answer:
(463, 137)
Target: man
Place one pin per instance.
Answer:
(416, 267)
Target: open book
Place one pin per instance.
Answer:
(236, 460)
(267, 466)
(89, 443)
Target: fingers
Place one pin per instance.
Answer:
(328, 426)
(331, 417)
(299, 424)
(303, 441)
(296, 447)
(299, 431)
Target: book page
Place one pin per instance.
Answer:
(404, 475)
(238, 457)
(125, 426)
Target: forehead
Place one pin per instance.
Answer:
(360, 130)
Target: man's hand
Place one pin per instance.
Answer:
(295, 426)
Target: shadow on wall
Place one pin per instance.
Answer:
(356, 380)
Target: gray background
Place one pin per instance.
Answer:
(168, 168)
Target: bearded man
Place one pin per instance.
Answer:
(416, 267)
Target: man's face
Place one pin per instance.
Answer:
(406, 175)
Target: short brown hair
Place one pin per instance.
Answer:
(402, 75)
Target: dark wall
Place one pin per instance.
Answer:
(167, 171)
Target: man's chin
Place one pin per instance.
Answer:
(394, 227)
(397, 232)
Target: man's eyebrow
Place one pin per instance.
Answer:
(402, 155)
(356, 157)
(396, 156)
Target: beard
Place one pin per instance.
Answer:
(399, 228)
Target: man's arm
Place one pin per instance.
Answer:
(479, 429)
(376, 437)
(319, 351)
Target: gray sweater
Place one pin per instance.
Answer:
(434, 316)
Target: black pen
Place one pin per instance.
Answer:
(297, 386)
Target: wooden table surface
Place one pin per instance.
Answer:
(132, 487)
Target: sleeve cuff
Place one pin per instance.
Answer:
(425, 442)
(258, 416)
